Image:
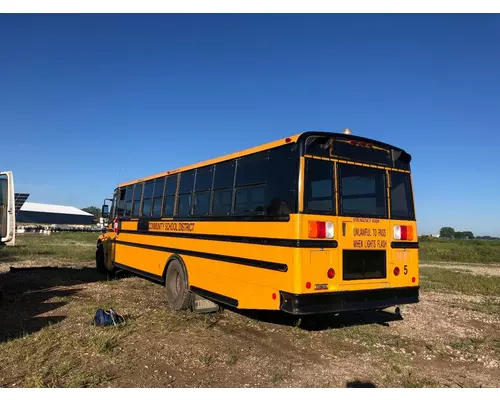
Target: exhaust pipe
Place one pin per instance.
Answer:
(396, 310)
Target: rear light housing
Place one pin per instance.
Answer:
(396, 271)
(321, 230)
(403, 232)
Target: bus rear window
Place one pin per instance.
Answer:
(401, 196)
(362, 191)
(319, 196)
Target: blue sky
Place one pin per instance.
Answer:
(87, 101)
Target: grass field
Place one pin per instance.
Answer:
(467, 251)
(451, 338)
(63, 248)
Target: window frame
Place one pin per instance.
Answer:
(258, 174)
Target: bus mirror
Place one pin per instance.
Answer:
(105, 211)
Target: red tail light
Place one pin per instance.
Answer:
(403, 232)
(396, 271)
(331, 273)
(308, 285)
(321, 229)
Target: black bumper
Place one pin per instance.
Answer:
(319, 303)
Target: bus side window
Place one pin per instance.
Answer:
(222, 193)
(184, 200)
(136, 204)
(114, 205)
(252, 175)
(120, 207)
(282, 187)
(159, 187)
(147, 198)
(202, 188)
(170, 190)
(129, 196)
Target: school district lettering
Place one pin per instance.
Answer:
(171, 226)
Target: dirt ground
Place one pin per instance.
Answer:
(47, 338)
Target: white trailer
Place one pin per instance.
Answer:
(7, 209)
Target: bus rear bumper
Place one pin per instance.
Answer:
(320, 303)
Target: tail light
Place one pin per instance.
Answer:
(321, 230)
(396, 271)
(403, 232)
(331, 273)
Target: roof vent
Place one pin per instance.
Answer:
(347, 131)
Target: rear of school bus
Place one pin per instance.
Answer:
(356, 195)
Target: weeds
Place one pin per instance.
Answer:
(206, 359)
(444, 280)
(232, 356)
(106, 345)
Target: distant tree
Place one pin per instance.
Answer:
(95, 211)
(463, 235)
(468, 235)
(447, 232)
(487, 238)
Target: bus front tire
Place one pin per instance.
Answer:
(178, 296)
(99, 259)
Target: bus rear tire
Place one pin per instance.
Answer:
(178, 296)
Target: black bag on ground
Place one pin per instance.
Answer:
(105, 318)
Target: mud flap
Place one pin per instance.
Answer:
(203, 305)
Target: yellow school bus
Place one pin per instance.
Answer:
(313, 223)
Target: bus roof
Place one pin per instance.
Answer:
(291, 139)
